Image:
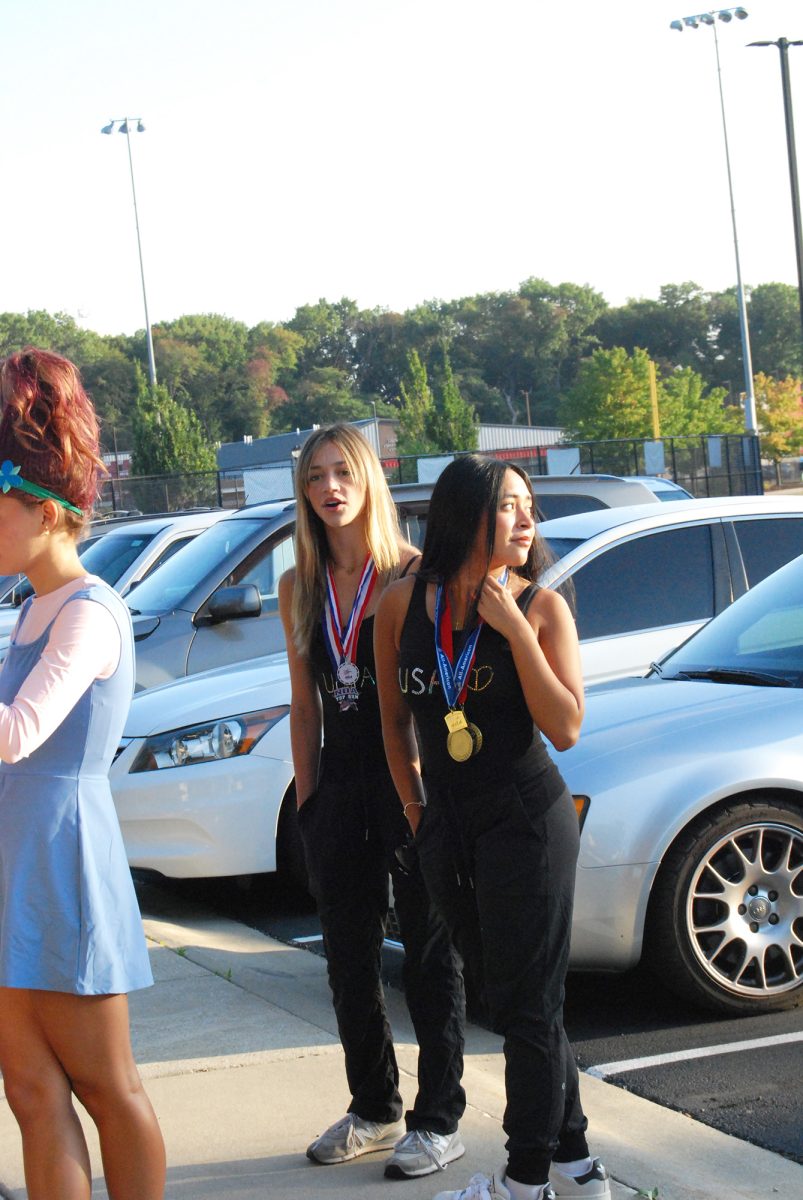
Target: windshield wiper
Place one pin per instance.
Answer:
(734, 675)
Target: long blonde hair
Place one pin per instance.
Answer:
(382, 531)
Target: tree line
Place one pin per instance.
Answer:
(544, 355)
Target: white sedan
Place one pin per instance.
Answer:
(689, 784)
(205, 772)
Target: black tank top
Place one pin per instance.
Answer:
(355, 731)
(511, 745)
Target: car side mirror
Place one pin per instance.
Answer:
(229, 603)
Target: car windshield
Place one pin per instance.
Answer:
(758, 640)
(170, 584)
(111, 556)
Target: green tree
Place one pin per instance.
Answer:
(453, 423)
(775, 342)
(678, 329)
(328, 335)
(779, 408)
(417, 410)
(322, 396)
(611, 399)
(685, 406)
(168, 438)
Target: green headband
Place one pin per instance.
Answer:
(10, 478)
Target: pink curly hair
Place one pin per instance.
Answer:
(48, 425)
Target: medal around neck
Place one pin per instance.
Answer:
(464, 739)
(341, 642)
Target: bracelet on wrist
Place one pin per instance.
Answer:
(414, 804)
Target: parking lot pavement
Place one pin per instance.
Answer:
(238, 1047)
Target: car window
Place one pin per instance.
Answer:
(649, 581)
(566, 505)
(168, 552)
(166, 588)
(768, 543)
(264, 568)
(112, 555)
(562, 545)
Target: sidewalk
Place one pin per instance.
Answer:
(238, 1047)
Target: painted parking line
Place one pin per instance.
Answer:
(603, 1070)
(318, 937)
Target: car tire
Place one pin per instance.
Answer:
(291, 864)
(725, 919)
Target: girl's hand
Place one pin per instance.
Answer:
(497, 605)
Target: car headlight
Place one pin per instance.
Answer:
(209, 742)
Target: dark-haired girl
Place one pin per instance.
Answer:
(482, 659)
(71, 940)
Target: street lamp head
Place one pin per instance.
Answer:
(740, 13)
(691, 22)
(140, 127)
(123, 127)
(108, 128)
(726, 15)
(673, 25)
(707, 18)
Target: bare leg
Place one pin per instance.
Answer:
(54, 1151)
(89, 1037)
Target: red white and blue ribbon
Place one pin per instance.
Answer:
(341, 640)
(454, 678)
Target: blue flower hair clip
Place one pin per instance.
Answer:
(10, 478)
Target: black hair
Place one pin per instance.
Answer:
(467, 494)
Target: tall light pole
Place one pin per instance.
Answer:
(783, 47)
(124, 126)
(694, 22)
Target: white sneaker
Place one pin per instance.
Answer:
(420, 1152)
(481, 1187)
(350, 1137)
(594, 1185)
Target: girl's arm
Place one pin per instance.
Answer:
(401, 749)
(547, 657)
(306, 718)
(84, 645)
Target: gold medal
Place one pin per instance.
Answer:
(455, 720)
(476, 736)
(460, 744)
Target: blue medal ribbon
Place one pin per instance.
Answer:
(454, 679)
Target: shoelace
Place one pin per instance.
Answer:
(425, 1143)
(349, 1123)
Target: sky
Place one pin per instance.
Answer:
(389, 151)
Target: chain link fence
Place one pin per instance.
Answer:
(725, 465)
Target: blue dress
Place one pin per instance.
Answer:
(69, 919)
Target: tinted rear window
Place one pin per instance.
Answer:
(647, 582)
(768, 543)
(566, 505)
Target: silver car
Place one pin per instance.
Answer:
(122, 553)
(646, 578)
(690, 785)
